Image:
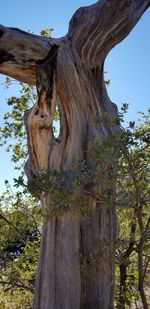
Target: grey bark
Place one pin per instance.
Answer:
(71, 75)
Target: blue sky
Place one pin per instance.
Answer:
(128, 64)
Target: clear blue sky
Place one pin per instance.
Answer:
(128, 64)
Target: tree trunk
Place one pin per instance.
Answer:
(76, 264)
(122, 287)
(123, 269)
(76, 267)
(141, 274)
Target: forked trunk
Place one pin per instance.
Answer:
(74, 173)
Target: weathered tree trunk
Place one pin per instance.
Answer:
(69, 240)
(76, 264)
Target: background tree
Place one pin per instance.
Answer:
(134, 199)
(71, 77)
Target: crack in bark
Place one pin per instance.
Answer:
(1, 33)
(5, 56)
(55, 260)
(51, 56)
(81, 255)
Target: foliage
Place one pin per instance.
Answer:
(133, 198)
(20, 214)
(46, 32)
(20, 230)
(13, 134)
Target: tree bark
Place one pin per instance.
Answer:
(123, 269)
(76, 264)
(70, 241)
(140, 260)
(141, 276)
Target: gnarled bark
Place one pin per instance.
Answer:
(71, 76)
(93, 32)
(69, 240)
(19, 50)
